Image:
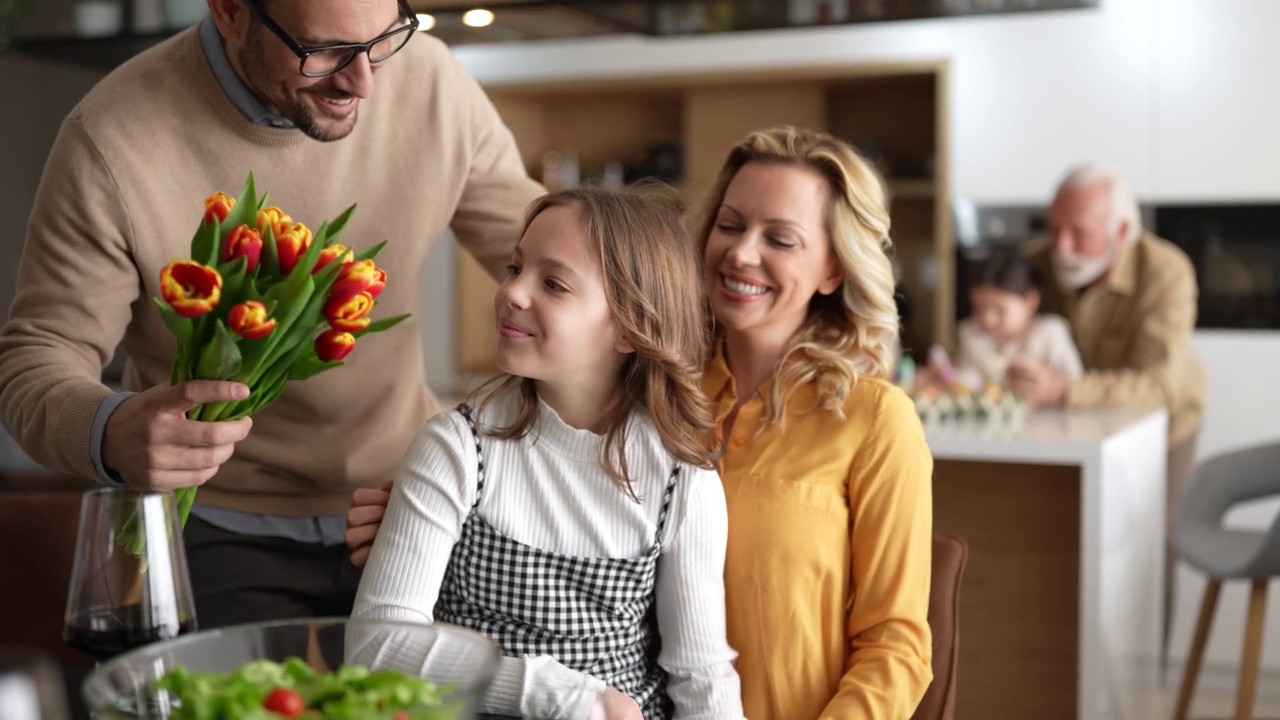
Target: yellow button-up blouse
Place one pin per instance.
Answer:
(828, 564)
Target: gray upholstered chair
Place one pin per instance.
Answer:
(1201, 540)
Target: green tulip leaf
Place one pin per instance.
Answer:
(219, 359)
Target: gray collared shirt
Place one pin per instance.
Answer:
(250, 106)
(326, 530)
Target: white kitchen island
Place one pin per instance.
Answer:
(1064, 516)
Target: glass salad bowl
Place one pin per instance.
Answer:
(330, 669)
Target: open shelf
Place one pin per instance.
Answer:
(894, 114)
(912, 189)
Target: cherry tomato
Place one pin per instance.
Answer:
(284, 701)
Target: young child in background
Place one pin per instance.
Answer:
(578, 495)
(1005, 296)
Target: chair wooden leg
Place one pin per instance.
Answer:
(1252, 651)
(1191, 673)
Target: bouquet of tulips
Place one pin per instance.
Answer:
(263, 301)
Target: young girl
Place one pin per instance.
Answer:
(578, 495)
(1004, 293)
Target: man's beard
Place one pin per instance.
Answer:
(302, 117)
(1078, 271)
(294, 110)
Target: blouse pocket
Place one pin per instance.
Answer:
(827, 498)
(786, 528)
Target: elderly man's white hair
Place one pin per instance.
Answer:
(1124, 206)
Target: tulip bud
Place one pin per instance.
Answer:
(349, 314)
(190, 288)
(357, 277)
(218, 205)
(292, 242)
(244, 242)
(336, 251)
(249, 320)
(334, 345)
(272, 217)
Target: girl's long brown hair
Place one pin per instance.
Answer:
(654, 290)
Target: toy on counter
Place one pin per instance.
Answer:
(935, 404)
(939, 394)
(940, 364)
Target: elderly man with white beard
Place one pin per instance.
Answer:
(1130, 298)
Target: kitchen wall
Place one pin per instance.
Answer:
(1178, 94)
(40, 95)
(1175, 93)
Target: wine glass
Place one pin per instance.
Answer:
(31, 686)
(129, 582)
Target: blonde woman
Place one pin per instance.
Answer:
(825, 467)
(826, 473)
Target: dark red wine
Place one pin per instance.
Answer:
(103, 633)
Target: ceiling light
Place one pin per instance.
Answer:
(477, 18)
(426, 22)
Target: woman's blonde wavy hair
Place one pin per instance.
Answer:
(854, 330)
(653, 288)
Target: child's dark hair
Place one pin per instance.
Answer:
(1007, 270)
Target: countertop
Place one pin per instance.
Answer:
(1052, 437)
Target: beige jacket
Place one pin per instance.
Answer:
(1133, 331)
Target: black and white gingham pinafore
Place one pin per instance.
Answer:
(590, 614)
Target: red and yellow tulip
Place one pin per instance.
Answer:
(292, 242)
(357, 277)
(336, 251)
(272, 217)
(264, 331)
(249, 320)
(190, 288)
(349, 314)
(334, 345)
(244, 242)
(218, 205)
(378, 283)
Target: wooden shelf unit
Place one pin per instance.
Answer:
(895, 114)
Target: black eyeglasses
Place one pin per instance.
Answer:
(325, 60)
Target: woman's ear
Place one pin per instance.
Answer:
(622, 346)
(832, 282)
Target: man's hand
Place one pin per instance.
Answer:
(1037, 383)
(150, 442)
(368, 505)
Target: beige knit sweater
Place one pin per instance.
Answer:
(122, 193)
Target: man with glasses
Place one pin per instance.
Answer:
(285, 89)
(321, 98)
